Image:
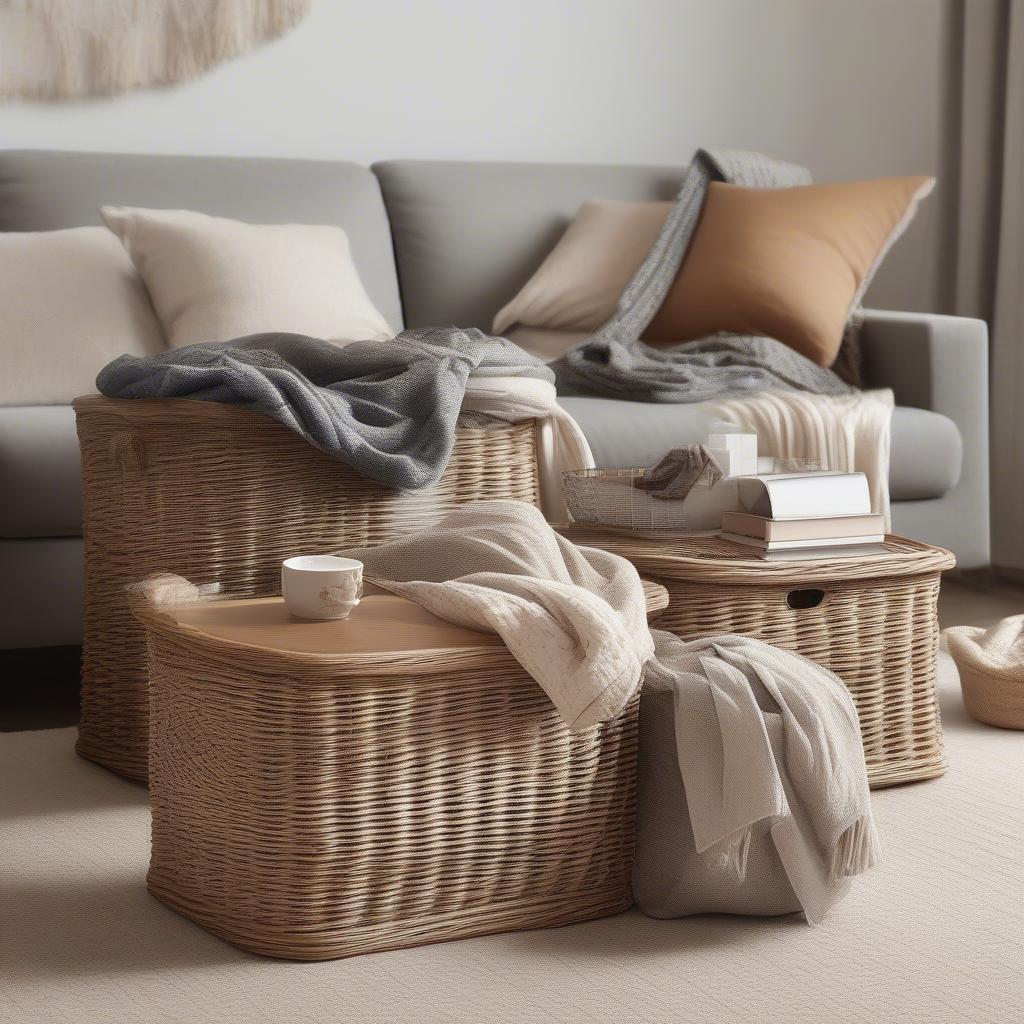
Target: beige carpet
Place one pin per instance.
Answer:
(936, 935)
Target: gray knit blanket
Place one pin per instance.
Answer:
(616, 363)
(388, 409)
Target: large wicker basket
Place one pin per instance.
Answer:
(221, 495)
(326, 789)
(872, 620)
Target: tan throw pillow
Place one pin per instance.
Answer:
(788, 263)
(70, 301)
(214, 279)
(579, 283)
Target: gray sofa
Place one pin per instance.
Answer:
(443, 243)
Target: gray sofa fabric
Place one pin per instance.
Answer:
(926, 457)
(40, 489)
(939, 363)
(468, 236)
(44, 191)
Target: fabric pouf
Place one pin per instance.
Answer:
(670, 878)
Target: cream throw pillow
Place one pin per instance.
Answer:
(578, 285)
(214, 279)
(70, 301)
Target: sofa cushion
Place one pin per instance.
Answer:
(40, 482)
(926, 457)
(216, 279)
(468, 236)
(44, 190)
(71, 301)
(926, 447)
(578, 285)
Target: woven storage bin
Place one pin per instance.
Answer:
(221, 495)
(326, 789)
(872, 620)
(611, 497)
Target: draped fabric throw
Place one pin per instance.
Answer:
(63, 49)
(766, 744)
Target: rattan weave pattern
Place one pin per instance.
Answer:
(221, 495)
(876, 626)
(320, 806)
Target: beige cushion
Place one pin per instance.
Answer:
(544, 343)
(579, 283)
(788, 263)
(214, 279)
(70, 301)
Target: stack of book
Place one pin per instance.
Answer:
(794, 516)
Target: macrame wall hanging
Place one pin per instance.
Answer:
(62, 49)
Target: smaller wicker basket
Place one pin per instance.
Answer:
(991, 667)
(872, 620)
(612, 497)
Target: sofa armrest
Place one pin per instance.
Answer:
(940, 363)
(930, 361)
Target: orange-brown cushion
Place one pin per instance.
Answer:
(788, 263)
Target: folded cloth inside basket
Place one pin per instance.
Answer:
(389, 409)
(678, 470)
(769, 748)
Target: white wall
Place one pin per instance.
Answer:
(851, 88)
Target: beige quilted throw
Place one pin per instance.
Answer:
(766, 744)
(575, 618)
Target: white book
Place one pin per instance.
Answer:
(805, 554)
(805, 495)
(793, 545)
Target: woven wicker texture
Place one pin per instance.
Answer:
(873, 621)
(220, 495)
(991, 666)
(612, 497)
(311, 806)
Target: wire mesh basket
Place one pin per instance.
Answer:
(613, 497)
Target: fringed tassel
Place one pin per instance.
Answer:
(857, 850)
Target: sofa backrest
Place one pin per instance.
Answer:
(43, 191)
(469, 235)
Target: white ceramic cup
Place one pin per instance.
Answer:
(321, 586)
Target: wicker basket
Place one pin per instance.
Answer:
(990, 663)
(315, 796)
(872, 620)
(221, 495)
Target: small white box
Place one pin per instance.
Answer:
(742, 453)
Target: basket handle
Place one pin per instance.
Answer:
(807, 598)
(126, 449)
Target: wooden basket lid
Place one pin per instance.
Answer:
(384, 629)
(714, 559)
